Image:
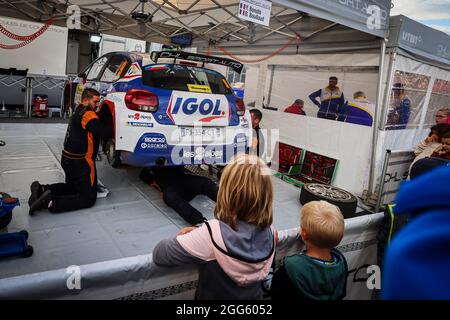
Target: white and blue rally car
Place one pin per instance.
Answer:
(173, 113)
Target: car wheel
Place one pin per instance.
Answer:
(112, 155)
(344, 200)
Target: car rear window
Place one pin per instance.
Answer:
(185, 78)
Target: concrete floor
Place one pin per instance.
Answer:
(129, 221)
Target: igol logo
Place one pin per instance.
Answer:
(204, 107)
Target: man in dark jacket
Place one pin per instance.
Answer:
(78, 161)
(179, 187)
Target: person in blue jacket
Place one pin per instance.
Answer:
(331, 100)
(402, 107)
(358, 111)
(417, 262)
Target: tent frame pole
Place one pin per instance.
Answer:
(376, 119)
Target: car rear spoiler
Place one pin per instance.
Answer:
(235, 65)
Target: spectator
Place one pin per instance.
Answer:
(320, 272)
(234, 251)
(258, 143)
(425, 165)
(359, 111)
(402, 106)
(427, 146)
(296, 107)
(443, 151)
(417, 261)
(331, 100)
(443, 116)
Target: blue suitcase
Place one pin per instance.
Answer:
(7, 204)
(12, 244)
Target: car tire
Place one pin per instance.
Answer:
(112, 155)
(344, 200)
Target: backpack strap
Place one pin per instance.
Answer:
(235, 256)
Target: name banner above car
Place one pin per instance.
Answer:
(370, 16)
(257, 11)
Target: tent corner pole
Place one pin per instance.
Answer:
(377, 115)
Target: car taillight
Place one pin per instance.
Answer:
(141, 100)
(240, 106)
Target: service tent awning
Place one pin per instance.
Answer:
(209, 21)
(356, 14)
(419, 41)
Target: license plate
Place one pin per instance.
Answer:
(205, 134)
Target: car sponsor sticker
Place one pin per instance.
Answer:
(152, 141)
(146, 145)
(199, 88)
(190, 108)
(139, 116)
(200, 153)
(140, 124)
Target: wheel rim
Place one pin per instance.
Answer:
(330, 192)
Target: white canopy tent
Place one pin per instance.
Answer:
(305, 42)
(321, 36)
(330, 44)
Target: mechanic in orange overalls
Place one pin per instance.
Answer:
(78, 161)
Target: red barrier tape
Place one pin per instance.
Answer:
(287, 44)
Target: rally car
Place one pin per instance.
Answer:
(171, 113)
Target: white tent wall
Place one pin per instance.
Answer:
(296, 76)
(111, 43)
(288, 67)
(298, 82)
(39, 55)
(348, 143)
(407, 139)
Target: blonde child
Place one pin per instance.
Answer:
(319, 272)
(235, 250)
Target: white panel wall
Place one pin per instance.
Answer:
(350, 144)
(45, 55)
(290, 83)
(111, 43)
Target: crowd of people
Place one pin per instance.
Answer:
(333, 106)
(235, 251)
(437, 143)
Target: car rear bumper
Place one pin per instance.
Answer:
(152, 148)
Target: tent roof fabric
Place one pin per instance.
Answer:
(353, 14)
(419, 41)
(205, 19)
(299, 26)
